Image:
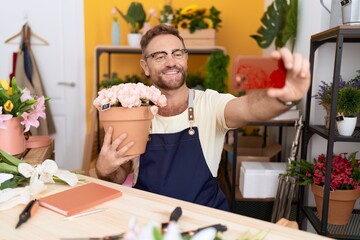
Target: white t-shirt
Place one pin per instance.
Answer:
(209, 117)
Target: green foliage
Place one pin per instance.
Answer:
(300, 170)
(135, 16)
(195, 80)
(216, 73)
(349, 101)
(279, 23)
(108, 81)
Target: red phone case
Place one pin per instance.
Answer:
(257, 72)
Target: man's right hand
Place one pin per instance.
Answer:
(112, 164)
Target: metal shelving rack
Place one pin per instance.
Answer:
(338, 35)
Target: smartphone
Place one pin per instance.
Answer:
(258, 72)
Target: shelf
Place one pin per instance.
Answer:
(338, 35)
(348, 231)
(323, 132)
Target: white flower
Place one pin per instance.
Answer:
(44, 173)
(4, 177)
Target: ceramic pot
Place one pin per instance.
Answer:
(134, 39)
(327, 108)
(341, 204)
(12, 138)
(136, 122)
(346, 126)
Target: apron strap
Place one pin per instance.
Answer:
(191, 116)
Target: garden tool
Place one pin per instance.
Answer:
(174, 217)
(287, 184)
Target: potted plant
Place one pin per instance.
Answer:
(324, 97)
(129, 107)
(18, 112)
(348, 105)
(197, 25)
(136, 17)
(344, 183)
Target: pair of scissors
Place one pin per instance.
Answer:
(28, 211)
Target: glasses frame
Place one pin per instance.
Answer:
(152, 55)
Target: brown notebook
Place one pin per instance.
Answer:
(79, 199)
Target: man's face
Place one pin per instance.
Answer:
(165, 62)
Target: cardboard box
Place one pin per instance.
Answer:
(250, 150)
(203, 37)
(260, 179)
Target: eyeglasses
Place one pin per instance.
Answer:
(160, 57)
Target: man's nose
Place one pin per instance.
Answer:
(170, 60)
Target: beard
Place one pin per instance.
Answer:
(172, 84)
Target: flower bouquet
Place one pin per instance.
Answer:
(344, 182)
(16, 174)
(18, 107)
(129, 107)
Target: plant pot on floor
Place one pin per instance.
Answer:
(346, 126)
(136, 122)
(341, 204)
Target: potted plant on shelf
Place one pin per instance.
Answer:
(197, 25)
(129, 107)
(136, 17)
(324, 97)
(344, 183)
(18, 112)
(348, 106)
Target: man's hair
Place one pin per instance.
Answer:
(160, 29)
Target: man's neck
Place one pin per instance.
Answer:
(177, 102)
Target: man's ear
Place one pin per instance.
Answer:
(145, 67)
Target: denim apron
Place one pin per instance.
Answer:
(174, 165)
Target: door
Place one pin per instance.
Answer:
(61, 65)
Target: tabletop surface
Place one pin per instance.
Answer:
(146, 207)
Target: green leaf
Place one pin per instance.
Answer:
(14, 182)
(279, 22)
(8, 168)
(216, 73)
(7, 158)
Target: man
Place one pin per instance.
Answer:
(183, 154)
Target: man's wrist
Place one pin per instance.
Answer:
(288, 103)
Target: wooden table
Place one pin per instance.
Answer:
(147, 207)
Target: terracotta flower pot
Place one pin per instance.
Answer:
(12, 138)
(341, 204)
(136, 122)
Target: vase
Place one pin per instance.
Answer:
(327, 108)
(136, 122)
(115, 33)
(134, 39)
(12, 137)
(346, 126)
(341, 204)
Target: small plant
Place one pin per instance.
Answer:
(135, 16)
(348, 103)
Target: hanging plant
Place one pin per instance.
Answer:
(279, 24)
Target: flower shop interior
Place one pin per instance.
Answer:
(80, 46)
